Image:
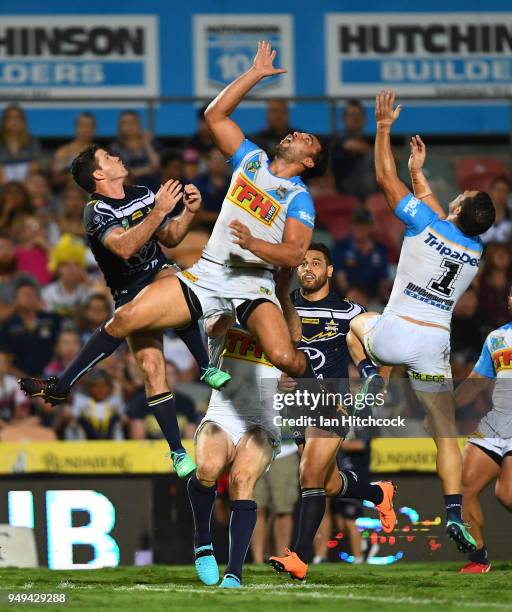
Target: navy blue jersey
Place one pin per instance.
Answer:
(101, 216)
(325, 324)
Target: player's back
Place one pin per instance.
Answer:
(437, 264)
(260, 200)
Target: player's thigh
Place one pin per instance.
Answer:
(214, 451)
(147, 348)
(316, 458)
(360, 325)
(252, 456)
(267, 324)
(478, 469)
(504, 482)
(159, 305)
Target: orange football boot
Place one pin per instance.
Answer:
(291, 563)
(387, 514)
(475, 568)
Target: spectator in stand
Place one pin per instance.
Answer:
(191, 165)
(96, 414)
(495, 279)
(85, 132)
(278, 126)
(73, 203)
(15, 204)
(201, 141)
(13, 403)
(142, 422)
(501, 230)
(352, 154)
(171, 167)
(8, 277)
(360, 262)
(95, 310)
(32, 249)
(19, 151)
(67, 347)
(467, 334)
(213, 186)
(137, 150)
(67, 261)
(44, 205)
(30, 334)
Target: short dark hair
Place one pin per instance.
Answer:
(324, 249)
(85, 115)
(355, 103)
(321, 160)
(477, 214)
(83, 167)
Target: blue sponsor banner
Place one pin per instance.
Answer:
(339, 48)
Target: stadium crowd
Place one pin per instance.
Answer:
(52, 295)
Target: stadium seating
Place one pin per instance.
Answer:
(388, 229)
(478, 172)
(334, 213)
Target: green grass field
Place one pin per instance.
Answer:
(329, 587)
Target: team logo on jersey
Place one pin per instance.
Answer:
(257, 203)
(332, 326)
(253, 166)
(497, 342)
(502, 359)
(240, 345)
(265, 290)
(281, 192)
(125, 223)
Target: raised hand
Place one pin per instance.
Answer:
(192, 198)
(418, 154)
(168, 196)
(264, 59)
(385, 114)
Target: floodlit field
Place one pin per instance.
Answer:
(329, 587)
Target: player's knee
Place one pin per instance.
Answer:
(310, 475)
(123, 320)
(281, 358)
(504, 495)
(241, 484)
(208, 473)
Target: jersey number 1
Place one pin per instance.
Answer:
(444, 284)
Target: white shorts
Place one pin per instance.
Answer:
(221, 289)
(425, 351)
(497, 446)
(237, 425)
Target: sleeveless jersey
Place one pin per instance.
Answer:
(437, 264)
(260, 200)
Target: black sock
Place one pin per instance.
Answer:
(191, 336)
(202, 500)
(163, 407)
(312, 510)
(366, 368)
(355, 488)
(480, 556)
(241, 526)
(99, 346)
(453, 505)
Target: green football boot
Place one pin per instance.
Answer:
(183, 463)
(215, 378)
(459, 533)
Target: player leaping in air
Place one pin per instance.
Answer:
(266, 220)
(440, 257)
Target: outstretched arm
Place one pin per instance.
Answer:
(226, 133)
(419, 182)
(385, 167)
(471, 388)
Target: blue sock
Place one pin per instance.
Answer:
(312, 510)
(164, 410)
(366, 368)
(99, 346)
(241, 526)
(453, 505)
(202, 500)
(480, 556)
(193, 340)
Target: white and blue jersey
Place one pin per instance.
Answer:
(260, 200)
(437, 264)
(495, 362)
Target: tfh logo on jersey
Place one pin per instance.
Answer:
(502, 360)
(240, 345)
(257, 203)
